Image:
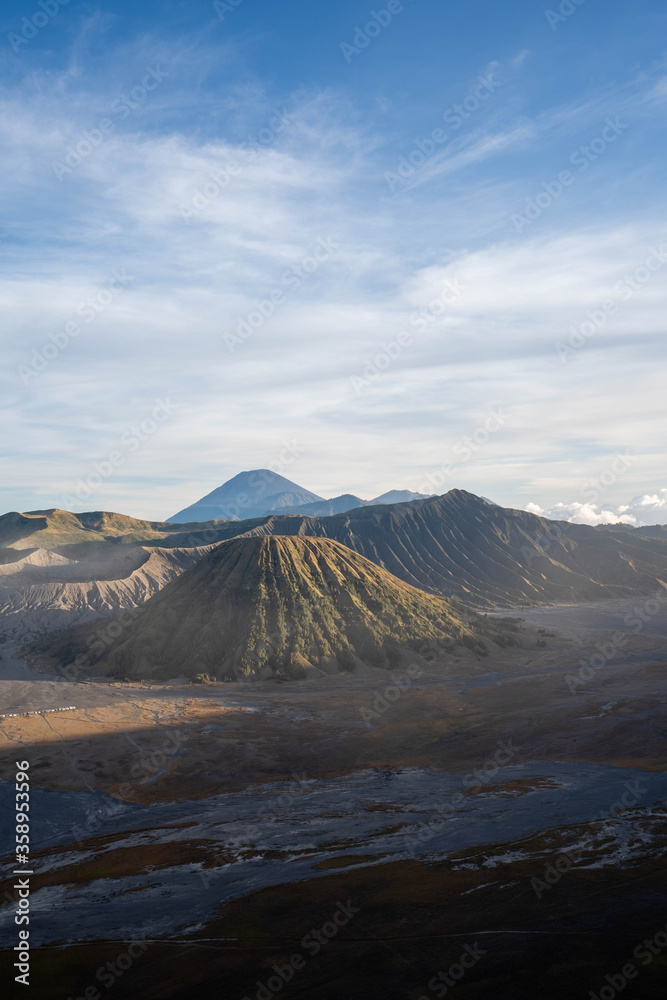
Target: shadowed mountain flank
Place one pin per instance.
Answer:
(279, 606)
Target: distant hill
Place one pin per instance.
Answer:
(279, 606)
(262, 492)
(325, 508)
(54, 527)
(341, 505)
(648, 531)
(250, 494)
(399, 496)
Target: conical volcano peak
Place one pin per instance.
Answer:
(249, 494)
(284, 606)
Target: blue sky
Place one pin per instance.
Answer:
(410, 245)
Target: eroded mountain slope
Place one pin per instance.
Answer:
(278, 606)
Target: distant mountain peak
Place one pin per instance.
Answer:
(246, 495)
(261, 492)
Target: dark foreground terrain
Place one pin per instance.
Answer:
(493, 827)
(406, 931)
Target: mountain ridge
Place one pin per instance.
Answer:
(261, 492)
(486, 554)
(61, 567)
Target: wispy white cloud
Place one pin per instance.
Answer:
(195, 278)
(468, 151)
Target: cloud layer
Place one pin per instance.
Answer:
(649, 509)
(251, 272)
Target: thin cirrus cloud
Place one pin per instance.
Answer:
(468, 151)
